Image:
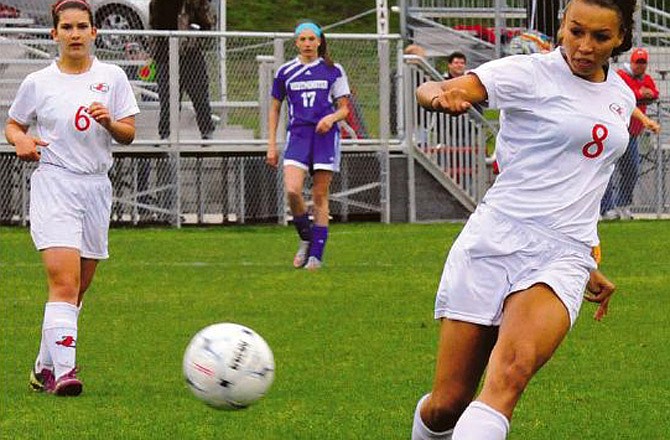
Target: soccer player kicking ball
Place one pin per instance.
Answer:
(514, 280)
(311, 83)
(78, 105)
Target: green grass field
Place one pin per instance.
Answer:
(354, 344)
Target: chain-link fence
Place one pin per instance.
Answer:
(485, 29)
(639, 187)
(202, 131)
(199, 155)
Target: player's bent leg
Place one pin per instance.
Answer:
(463, 352)
(294, 180)
(59, 329)
(320, 190)
(419, 429)
(481, 422)
(87, 272)
(63, 268)
(534, 323)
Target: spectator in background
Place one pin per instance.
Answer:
(357, 127)
(619, 194)
(456, 62)
(457, 66)
(182, 15)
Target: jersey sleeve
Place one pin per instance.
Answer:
(124, 99)
(24, 107)
(279, 87)
(341, 84)
(509, 82)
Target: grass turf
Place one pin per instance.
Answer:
(354, 343)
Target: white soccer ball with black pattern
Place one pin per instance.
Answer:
(228, 366)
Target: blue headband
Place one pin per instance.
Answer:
(308, 26)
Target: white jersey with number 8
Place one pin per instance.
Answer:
(560, 140)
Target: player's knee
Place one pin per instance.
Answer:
(66, 292)
(294, 193)
(515, 374)
(445, 408)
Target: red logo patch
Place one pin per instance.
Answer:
(67, 341)
(100, 87)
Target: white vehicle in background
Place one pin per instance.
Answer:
(107, 14)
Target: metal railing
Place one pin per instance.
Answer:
(452, 149)
(186, 179)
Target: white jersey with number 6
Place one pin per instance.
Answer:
(57, 103)
(560, 140)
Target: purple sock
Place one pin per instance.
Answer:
(319, 238)
(303, 226)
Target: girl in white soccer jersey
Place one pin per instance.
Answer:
(514, 279)
(78, 105)
(311, 84)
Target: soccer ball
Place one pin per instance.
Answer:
(228, 366)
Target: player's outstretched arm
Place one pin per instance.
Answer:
(454, 96)
(26, 145)
(599, 290)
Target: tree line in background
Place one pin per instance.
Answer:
(282, 15)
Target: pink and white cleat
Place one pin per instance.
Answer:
(68, 384)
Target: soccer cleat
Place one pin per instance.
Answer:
(313, 263)
(301, 256)
(42, 381)
(68, 384)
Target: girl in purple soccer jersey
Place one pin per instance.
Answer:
(317, 94)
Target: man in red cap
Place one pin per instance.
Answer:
(619, 194)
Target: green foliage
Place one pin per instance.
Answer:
(354, 343)
(282, 15)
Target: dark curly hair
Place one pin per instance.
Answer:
(625, 10)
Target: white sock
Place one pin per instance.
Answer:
(59, 332)
(419, 429)
(481, 422)
(43, 356)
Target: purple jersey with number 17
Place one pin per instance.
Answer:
(310, 90)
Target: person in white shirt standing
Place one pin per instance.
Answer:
(515, 278)
(78, 105)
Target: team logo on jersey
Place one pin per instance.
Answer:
(617, 110)
(100, 87)
(308, 73)
(309, 85)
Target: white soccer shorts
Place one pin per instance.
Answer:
(70, 210)
(495, 256)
